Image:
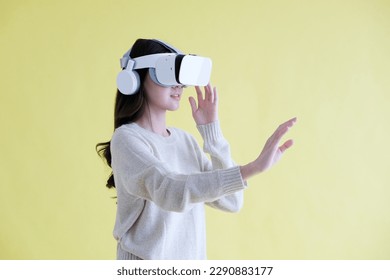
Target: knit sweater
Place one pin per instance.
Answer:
(162, 186)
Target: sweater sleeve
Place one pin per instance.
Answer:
(141, 174)
(218, 149)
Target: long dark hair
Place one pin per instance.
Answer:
(129, 108)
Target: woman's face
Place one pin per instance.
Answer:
(162, 98)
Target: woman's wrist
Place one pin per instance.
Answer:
(210, 131)
(206, 121)
(249, 170)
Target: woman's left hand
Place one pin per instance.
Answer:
(206, 111)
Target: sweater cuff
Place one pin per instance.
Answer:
(231, 180)
(210, 132)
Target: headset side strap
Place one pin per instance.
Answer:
(149, 61)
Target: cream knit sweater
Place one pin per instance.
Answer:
(162, 185)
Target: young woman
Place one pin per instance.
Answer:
(163, 178)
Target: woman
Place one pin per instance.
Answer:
(163, 178)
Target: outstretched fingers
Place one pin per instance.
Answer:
(215, 95)
(286, 145)
(209, 93)
(199, 94)
(279, 133)
(194, 107)
(290, 122)
(205, 110)
(283, 128)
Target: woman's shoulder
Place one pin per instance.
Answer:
(125, 130)
(126, 133)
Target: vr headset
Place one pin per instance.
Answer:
(165, 69)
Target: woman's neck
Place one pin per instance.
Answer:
(155, 122)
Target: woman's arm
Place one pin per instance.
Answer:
(206, 111)
(139, 173)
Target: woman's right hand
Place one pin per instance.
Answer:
(271, 152)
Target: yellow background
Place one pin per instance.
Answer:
(326, 62)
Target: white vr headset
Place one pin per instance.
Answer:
(165, 69)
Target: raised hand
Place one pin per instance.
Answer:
(271, 152)
(206, 110)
